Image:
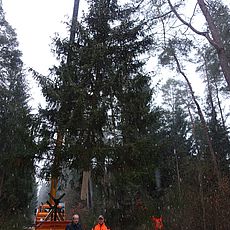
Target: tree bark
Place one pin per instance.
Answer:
(215, 38)
(1, 181)
(201, 191)
(216, 41)
(203, 122)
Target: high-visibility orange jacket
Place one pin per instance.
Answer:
(100, 227)
(157, 222)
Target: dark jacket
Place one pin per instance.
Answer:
(72, 226)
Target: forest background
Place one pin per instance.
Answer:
(120, 109)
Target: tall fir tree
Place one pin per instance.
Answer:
(100, 97)
(17, 148)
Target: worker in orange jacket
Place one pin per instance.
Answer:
(101, 224)
(158, 222)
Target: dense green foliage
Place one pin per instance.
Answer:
(17, 148)
(100, 100)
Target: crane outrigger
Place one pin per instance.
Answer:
(51, 216)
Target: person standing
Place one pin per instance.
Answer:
(101, 224)
(75, 224)
(158, 222)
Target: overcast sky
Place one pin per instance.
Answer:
(36, 22)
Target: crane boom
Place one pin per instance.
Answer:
(51, 216)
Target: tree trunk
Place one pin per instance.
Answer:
(210, 93)
(215, 38)
(216, 41)
(201, 191)
(203, 122)
(1, 182)
(220, 107)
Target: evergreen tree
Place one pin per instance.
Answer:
(100, 98)
(17, 181)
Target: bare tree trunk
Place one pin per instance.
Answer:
(210, 92)
(220, 107)
(203, 122)
(217, 94)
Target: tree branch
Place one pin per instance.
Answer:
(184, 22)
(202, 33)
